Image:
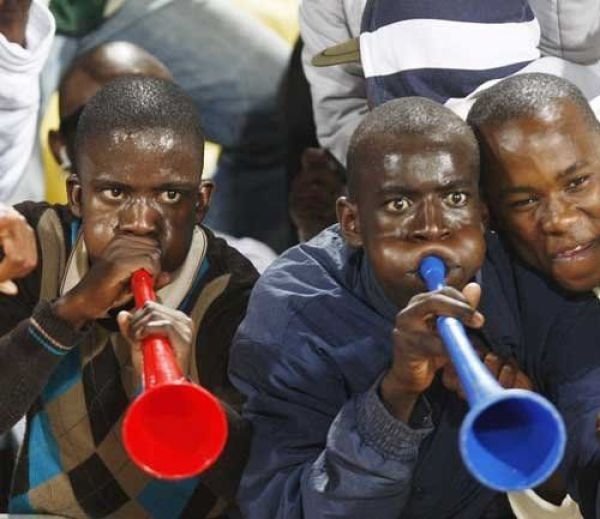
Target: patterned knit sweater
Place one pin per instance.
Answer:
(75, 385)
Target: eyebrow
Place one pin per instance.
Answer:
(573, 168)
(394, 188)
(167, 186)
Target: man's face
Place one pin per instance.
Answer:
(543, 185)
(144, 183)
(415, 199)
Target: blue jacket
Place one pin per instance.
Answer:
(308, 356)
(561, 353)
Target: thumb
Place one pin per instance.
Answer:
(472, 292)
(124, 322)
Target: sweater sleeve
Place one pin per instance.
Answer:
(28, 355)
(317, 452)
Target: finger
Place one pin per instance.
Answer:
(124, 322)
(177, 333)
(417, 345)
(507, 377)
(452, 382)
(472, 293)
(522, 381)
(8, 287)
(419, 310)
(156, 310)
(450, 378)
(493, 363)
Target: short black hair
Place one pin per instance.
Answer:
(136, 103)
(414, 116)
(526, 95)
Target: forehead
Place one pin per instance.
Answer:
(139, 155)
(553, 139)
(415, 163)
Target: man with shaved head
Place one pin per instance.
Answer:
(337, 356)
(540, 147)
(70, 352)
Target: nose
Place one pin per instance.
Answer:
(429, 223)
(139, 217)
(556, 216)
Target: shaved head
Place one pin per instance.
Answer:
(414, 117)
(101, 65)
(527, 95)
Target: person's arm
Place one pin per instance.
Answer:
(309, 458)
(33, 339)
(319, 450)
(28, 355)
(338, 92)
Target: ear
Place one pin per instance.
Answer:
(74, 195)
(58, 147)
(203, 203)
(348, 218)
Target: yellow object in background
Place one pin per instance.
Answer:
(279, 15)
(56, 192)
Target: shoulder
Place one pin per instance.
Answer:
(305, 279)
(223, 260)
(305, 309)
(34, 211)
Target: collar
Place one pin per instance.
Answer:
(597, 292)
(171, 295)
(372, 291)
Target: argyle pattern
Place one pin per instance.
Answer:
(73, 462)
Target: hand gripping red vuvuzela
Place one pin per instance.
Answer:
(174, 429)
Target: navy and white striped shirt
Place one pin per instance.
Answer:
(443, 50)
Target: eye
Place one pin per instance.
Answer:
(398, 205)
(523, 203)
(170, 196)
(113, 193)
(577, 182)
(457, 199)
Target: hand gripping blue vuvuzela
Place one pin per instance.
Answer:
(511, 439)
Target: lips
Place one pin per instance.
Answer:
(442, 253)
(573, 252)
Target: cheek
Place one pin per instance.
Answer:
(520, 226)
(98, 235)
(176, 234)
(590, 204)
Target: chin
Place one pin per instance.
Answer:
(579, 282)
(578, 285)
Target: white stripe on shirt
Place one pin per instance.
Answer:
(442, 44)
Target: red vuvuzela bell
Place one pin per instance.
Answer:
(174, 429)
